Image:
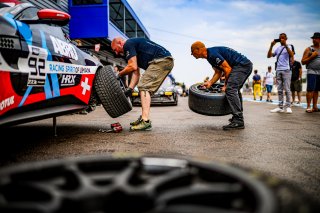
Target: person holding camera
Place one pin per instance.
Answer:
(311, 58)
(284, 54)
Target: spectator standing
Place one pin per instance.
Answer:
(283, 53)
(256, 85)
(236, 68)
(296, 81)
(268, 82)
(157, 63)
(311, 58)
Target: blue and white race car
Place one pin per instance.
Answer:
(43, 74)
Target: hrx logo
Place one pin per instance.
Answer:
(68, 80)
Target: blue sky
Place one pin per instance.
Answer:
(246, 26)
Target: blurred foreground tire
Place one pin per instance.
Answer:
(143, 185)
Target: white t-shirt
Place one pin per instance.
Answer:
(269, 78)
(283, 61)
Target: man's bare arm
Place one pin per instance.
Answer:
(308, 56)
(132, 66)
(227, 70)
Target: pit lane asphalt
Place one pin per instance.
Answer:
(286, 146)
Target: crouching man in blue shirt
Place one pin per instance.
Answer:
(236, 68)
(157, 63)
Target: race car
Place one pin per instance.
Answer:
(167, 94)
(43, 74)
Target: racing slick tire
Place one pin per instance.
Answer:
(144, 185)
(110, 92)
(210, 101)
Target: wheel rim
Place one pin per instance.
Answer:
(146, 184)
(214, 89)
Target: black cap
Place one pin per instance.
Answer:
(316, 35)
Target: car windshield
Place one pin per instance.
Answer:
(167, 83)
(21, 11)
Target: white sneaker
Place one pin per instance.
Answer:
(277, 110)
(288, 110)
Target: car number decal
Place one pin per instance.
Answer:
(35, 65)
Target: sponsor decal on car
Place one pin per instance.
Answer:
(68, 80)
(64, 48)
(6, 103)
(59, 67)
(85, 86)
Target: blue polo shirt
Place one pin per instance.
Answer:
(216, 55)
(256, 77)
(145, 51)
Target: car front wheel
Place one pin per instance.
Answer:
(110, 91)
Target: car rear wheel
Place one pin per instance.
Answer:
(110, 91)
(210, 101)
(176, 98)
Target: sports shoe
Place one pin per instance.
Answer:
(234, 125)
(277, 110)
(136, 122)
(143, 125)
(288, 110)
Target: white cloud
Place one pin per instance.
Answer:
(246, 26)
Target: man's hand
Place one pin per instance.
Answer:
(207, 84)
(117, 75)
(314, 54)
(128, 92)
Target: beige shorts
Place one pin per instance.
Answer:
(155, 74)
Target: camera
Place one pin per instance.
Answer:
(277, 40)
